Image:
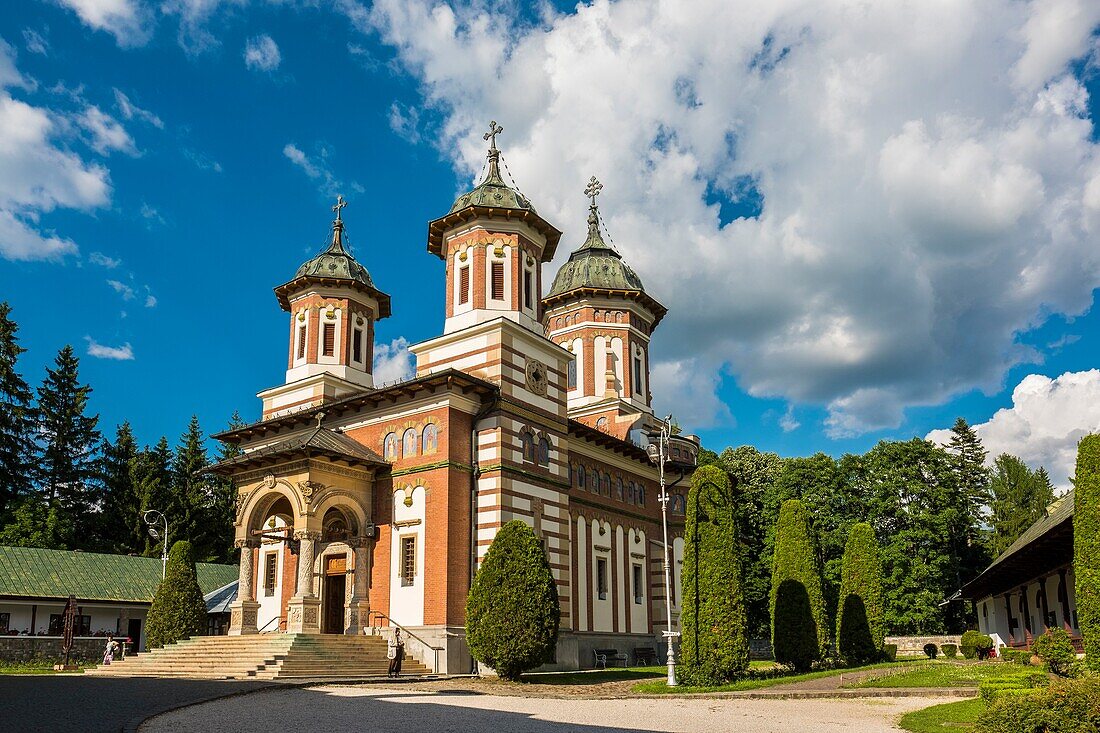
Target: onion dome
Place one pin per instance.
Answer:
(492, 197)
(597, 268)
(335, 266)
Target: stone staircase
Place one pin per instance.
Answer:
(265, 657)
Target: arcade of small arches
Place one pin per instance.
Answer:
(535, 447)
(406, 445)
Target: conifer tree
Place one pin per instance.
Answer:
(1086, 545)
(224, 502)
(1019, 498)
(151, 475)
(121, 503)
(16, 418)
(860, 623)
(800, 636)
(191, 504)
(714, 646)
(178, 610)
(67, 464)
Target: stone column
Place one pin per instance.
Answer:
(358, 610)
(243, 612)
(304, 609)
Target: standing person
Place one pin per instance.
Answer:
(110, 650)
(395, 651)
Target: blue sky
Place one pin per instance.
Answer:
(793, 327)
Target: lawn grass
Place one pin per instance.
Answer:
(755, 683)
(594, 676)
(942, 674)
(31, 668)
(948, 716)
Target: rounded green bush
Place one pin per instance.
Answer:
(860, 627)
(512, 611)
(1056, 650)
(1086, 545)
(951, 651)
(714, 645)
(890, 652)
(178, 610)
(800, 635)
(975, 644)
(1066, 706)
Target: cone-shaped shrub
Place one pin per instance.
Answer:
(1086, 545)
(713, 644)
(512, 612)
(860, 627)
(178, 611)
(800, 636)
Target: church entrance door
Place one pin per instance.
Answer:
(336, 586)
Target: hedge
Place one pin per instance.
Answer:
(1016, 656)
(713, 645)
(860, 626)
(1056, 650)
(512, 611)
(890, 652)
(178, 610)
(973, 643)
(1086, 545)
(1066, 706)
(994, 688)
(950, 650)
(800, 635)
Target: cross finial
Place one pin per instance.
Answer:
(340, 203)
(491, 136)
(592, 190)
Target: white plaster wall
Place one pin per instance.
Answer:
(599, 366)
(582, 574)
(602, 610)
(407, 602)
(638, 620)
(620, 578)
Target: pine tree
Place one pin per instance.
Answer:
(974, 481)
(191, 504)
(800, 636)
(178, 610)
(121, 503)
(67, 465)
(714, 645)
(224, 502)
(1020, 496)
(860, 626)
(16, 418)
(151, 475)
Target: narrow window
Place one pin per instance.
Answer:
(601, 578)
(301, 342)
(328, 347)
(637, 375)
(571, 374)
(269, 573)
(638, 591)
(497, 281)
(619, 490)
(408, 560)
(463, 285)
(580, 477)
(544, 452)
(357, 345)
(527, 289)
(527, 444)
(408, 443)
(390, 449)
(641, 495)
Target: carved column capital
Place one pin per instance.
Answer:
(246, 542)
(310, 535)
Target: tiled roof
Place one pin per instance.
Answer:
(1060, 511)
(90, 576)
(318, 440)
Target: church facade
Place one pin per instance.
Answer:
(362, 506)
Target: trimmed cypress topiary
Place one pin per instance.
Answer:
(178, 610)
(860, 627)
(713, 644)
(512, 612)
(800, 635)
(1086, 545)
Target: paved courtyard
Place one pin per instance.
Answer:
(358, 708)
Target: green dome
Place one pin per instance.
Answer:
(595, 265)
(335, 262)
(493, 192)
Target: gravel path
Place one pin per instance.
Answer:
(357, 708)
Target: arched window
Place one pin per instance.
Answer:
(605, 489)
(527, 443)
(601, 424)
(389, 449)
(430, 441)
(641, 495)
(593, 481)
(544, 452)
(580, 477)
(630, 493)
(408, 443)
(619, 488)
(679, 504)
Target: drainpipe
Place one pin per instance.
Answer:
(475, 473)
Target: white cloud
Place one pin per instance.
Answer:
(35, 41)
(393, 362)
(787, 422)
(688, 389)
(317, 169)
(405, 122)
(262, 53)
(98, 258)
(116, 353)
(1047, 419)
(150, 301)
(930, 186)
(130, 111)
(107, 133)
(150, 214)
(122, 289)
(38, 174)
(129, 21)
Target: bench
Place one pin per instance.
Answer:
(605, 657)
(645, 656)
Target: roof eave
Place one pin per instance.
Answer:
(284, 291)
(655, 307)
(437, 227)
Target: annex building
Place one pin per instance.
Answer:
(362, 505)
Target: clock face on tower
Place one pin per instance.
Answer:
(536, 376)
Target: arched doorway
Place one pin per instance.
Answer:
(337, 527)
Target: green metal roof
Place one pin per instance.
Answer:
(595, 265)
(33, 572)
(493, 191)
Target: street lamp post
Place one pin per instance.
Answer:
(658, 453)
(154, 532)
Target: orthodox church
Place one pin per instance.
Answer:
(363, 505)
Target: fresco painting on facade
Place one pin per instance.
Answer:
(354, 498)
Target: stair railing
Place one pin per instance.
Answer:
(376, 628)
(272, 631)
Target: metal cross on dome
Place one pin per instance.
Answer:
(592, 190)
(494, 130)
(340, 203)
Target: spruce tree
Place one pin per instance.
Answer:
(17, 419)
(860, 626)
(224, 502)
(191, 504)
(714, 646)
(67, 464)
(800, 636)
(1019, 498)
(178, 610)
(512, 611)
(1086, 545)
(151, 475)
(121, 503)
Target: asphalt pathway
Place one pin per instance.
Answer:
(86, 704)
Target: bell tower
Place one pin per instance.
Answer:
(333, 305)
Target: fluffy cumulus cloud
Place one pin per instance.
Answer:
(107, 134)
(129, 21)
(38, 173)
(393, 362)
(317, 169)
(114, 353)
(1047, 418)
(927, 180)
(262, 53)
